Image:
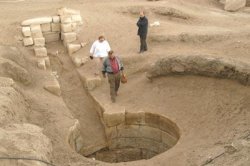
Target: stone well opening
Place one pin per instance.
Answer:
(142, 136)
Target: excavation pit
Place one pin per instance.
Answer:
(142, 136)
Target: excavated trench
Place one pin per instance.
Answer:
(141, 135)
(118, 135)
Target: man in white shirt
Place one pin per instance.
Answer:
(99, 50)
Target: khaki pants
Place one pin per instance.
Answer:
(99, 63)
(114, 82)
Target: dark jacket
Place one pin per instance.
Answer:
(142, 27)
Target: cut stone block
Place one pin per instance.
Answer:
(26, 31)
(77, 19)
(128, 131)
(92, 83)
(147, 154)
(148, 144)
(150, 133)
(74, 26)
(133, 118)
(114, 116)
(41, 20)
(46, 27)
(88, 150)
(106, 156)
(169, 127)
(56, 19)
(84, 60)
(69, 37)
(234, 5)
(66, 19)
(41, 64)
(36, 31)
(72, 48)
(152, 120)
(66, 27)
(111, 132)
(67, 11)
(39, 41)
(121, 143)
(40, 51)
(53, 87)
(168, 139)
(51, 36)
(56, 27)
(28, 41)
(35, 28)
(77, 61)
(128, 154)
(47, 61)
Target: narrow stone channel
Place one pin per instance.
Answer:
(81, 105)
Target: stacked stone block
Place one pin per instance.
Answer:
(71, 20)
(33, 31)
(64, 26)
(52, 85)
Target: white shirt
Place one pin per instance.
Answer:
(100, 49)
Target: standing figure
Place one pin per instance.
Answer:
(113, 66)
(99, 50)
(142, 31)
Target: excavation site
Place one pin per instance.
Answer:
(125, 83)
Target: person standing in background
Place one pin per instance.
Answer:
(142, 24)
(99, 50)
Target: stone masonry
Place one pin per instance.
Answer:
(40, 31)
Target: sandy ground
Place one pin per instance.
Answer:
(210, 112)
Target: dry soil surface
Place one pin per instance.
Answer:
(212, 114)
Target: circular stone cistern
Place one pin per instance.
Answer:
(141, 135)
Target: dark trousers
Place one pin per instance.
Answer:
(114, 82)
(143, 46)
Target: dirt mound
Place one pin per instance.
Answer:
(24, 144)
(13, 107)
(12, 65)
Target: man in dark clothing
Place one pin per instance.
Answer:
(142, 31)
